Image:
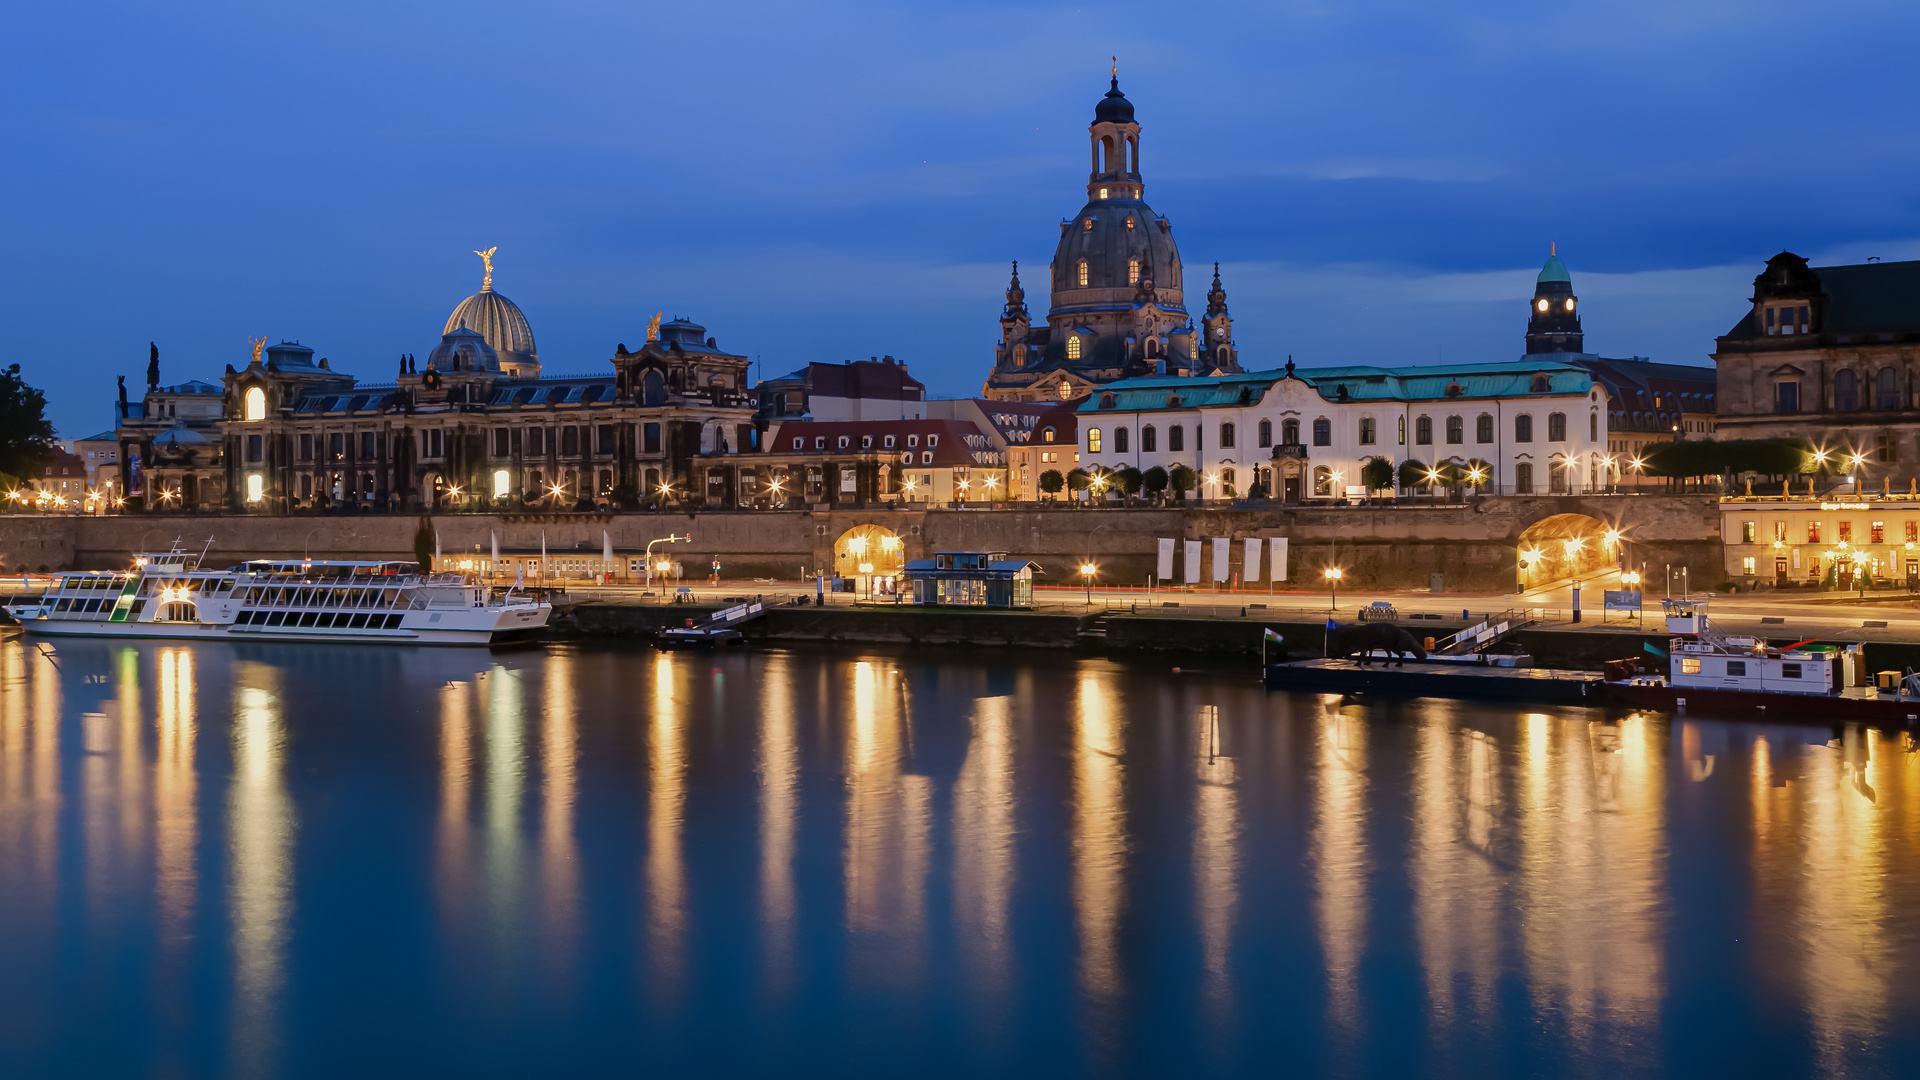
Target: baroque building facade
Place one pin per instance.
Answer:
(1117, 305)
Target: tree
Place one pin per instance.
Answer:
(1377, 473)
(1183, 480)
(26, 438)
(1412, 474)
(1154, 480)
(1079, 480)
(423, 542)
(1480, 468)
(1127, 480)
(1051, 481)
(1448, 474)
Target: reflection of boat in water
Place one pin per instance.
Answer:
(171, 596)
(1710, 672)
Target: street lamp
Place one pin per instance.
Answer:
(1087, 570)
(663, 565)
(1333, 575)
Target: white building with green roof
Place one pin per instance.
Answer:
(1529, 427)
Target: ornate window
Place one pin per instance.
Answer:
(1290, 432)
(1093, 441)
(1133, 271)
(1557, 427)
(1149, 441)
(1176, 439)
(1226, 435)
(1423, 431)
(1483, 428)
(1266, 433)
(1523, 478)
(1322, 481)
(1081, 270)
(1367, 431)
(1073, 341)
(1119, 440)
(1456, 431)
(256, 404)
(1106, 402)
(1323, 432)
(1523, 428)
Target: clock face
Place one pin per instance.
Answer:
(1569, 303)
(1541, 305)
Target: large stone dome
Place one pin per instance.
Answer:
(503, 325)
(462, 349)
(1110, 235)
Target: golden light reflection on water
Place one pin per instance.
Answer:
(779, 763)
(30, 704)
(1216, 855)
(1823, 856)
(1459, 883)
(456, 798)
(175, 784)
(666, 870)
(1340, 859)
(1099, 834)
(260, 827)
(983, 833)
(560, 871)
(889, 823)
(505, 725)
(1592, 872)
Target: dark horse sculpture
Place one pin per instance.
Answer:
(1358, 641)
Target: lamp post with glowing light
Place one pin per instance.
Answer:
(1333, 575)
(663, 565)
(1087, 570)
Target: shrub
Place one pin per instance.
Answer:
(1412, 473)
(1377, 473)
(1155, 480)
(1182, 479)
(1051, 481)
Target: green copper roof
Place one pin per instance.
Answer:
(1553, 271)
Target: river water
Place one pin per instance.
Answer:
(329, 861)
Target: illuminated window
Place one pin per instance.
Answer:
(1087, 225)
(1813, 532)
(256, 487)
(1133, 271)
(1878, 531)
(1046, 435)
(1073, 343)
(1366, 431)
(1083, 272)
(1689, 665)
(1846, 532)
(1129, 221)
(1066, 388)
(1103, 193)
(1093, 440)
(1913, 532)
(256, 404)
(1746, 565)
(1748, 530)
(502, 483)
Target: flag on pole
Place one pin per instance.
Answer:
(1271, 636)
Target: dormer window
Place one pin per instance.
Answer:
(1129, 221)
(889, 442)
(844, 442)
(1073, 342)
(866, 442)
(1086, 224)
(913, 440)
(1788, 318)
(1106, 402)
(799, 444)
(1133, 271)
(933, 441)
(1046, 434)
(1454, 389)
(1542, 384)
(819, 442)
(1081, 272)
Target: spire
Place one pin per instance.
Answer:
(1016, 297)
(1216, 296)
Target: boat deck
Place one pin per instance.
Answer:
(1415, 679)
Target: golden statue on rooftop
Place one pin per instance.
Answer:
(653, 326)
(486, 260)
(257, 346)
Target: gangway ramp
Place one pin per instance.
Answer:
(722, 626)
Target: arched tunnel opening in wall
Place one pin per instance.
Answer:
(1564, 546)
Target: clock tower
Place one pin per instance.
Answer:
(1553, 318)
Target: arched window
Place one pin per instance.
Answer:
(1083, 267)
(1133, 271)
(1322, 481)
(1323, 432)
(1073, 346)
(1846, 391)
(1266, 433)
(1226, 435)
(1093, 440)
(1221, 355)
(1456, 431)
(1153, 348)
(1557, 427)
(1367, 431)
(256, 404)
(1176, 439)
(1483, 428)
(1423, 431)
(1119, 440)
(1593, 427)
(1149, 443)
(1046, 434)
(1523, 478)
(256, 487)
(1542, 384)
(1290, 432)
(653, 389)
(1886, 394)
(1557, 476)
(1106, 402)
(1523, 428)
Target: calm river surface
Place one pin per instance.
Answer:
(335, 861)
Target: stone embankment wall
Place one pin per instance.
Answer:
(1472, 544)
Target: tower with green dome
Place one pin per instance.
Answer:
(1553, 320)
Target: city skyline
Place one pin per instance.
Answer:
(337, 205)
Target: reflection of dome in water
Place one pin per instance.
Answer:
(504, 326)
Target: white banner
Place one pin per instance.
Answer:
(1222, 554)
(1250, 563)
(1193, 562)
(1278, 545)
(1164, 568)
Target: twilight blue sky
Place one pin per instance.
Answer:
(1380, 180)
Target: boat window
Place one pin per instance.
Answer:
(1736, 667)
(1789, 671)
(1689, 665)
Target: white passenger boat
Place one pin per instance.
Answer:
(171, 596)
